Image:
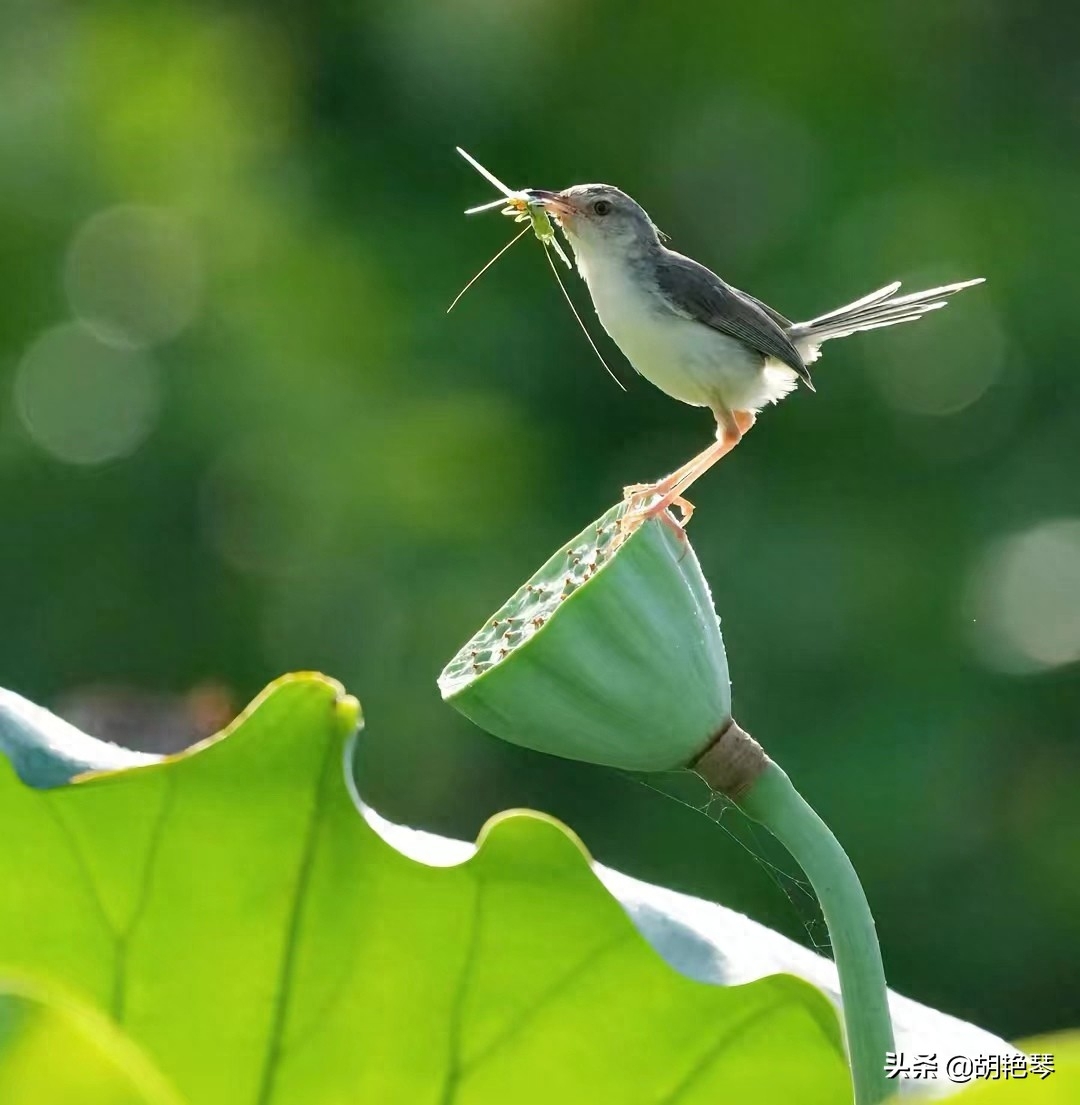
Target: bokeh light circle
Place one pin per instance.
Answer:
(133, 274)
(84, 401)
(1024, 598)
(948, 369)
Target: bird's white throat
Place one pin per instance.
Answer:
(618, 293)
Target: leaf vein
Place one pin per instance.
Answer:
(123, 936)
(95, 896)
(563, 983)
(274, 1046)
(454, 1068)
(701, 1065)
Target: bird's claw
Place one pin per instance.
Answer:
(644, 501)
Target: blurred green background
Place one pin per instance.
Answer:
(239, 435)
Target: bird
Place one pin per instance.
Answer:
(696, 337)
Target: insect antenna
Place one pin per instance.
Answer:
(515, 238)
(566, 296)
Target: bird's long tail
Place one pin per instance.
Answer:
(881, 308)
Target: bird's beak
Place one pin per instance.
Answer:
(557, 204)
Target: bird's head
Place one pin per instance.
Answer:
(598, 217)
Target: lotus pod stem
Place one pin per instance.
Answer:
(737, 767)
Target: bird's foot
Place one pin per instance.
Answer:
(655, 500)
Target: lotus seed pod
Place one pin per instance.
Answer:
(611, 654)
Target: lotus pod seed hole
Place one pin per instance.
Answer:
(527, 612)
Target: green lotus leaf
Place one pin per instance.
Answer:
(232, 912)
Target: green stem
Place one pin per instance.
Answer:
(775, 803)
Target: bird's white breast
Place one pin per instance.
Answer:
(684, 358)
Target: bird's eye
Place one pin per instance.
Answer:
(602, 207)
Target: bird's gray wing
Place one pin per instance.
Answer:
(692, 291)
(785, 324)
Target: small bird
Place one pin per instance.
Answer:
(695, 336)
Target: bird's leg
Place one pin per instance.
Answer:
(648, 500)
